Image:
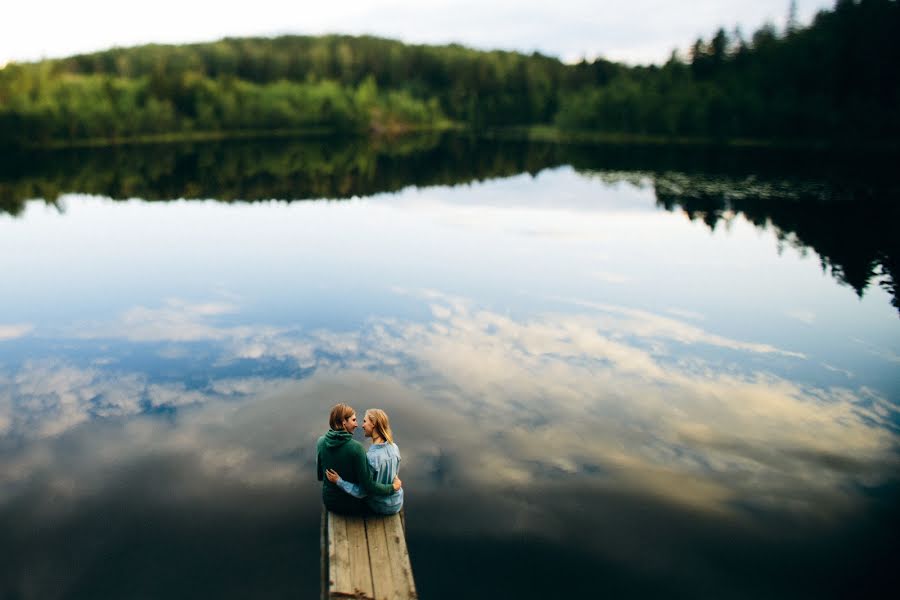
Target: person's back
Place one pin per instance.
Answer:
(339, 451)
(384, 459)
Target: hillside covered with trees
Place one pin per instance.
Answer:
(836, 79)
(833, 80)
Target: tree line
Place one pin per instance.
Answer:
(833, 79)
(836, 79)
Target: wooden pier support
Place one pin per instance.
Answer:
(365, 558)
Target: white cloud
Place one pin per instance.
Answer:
(609, 277)
(599, 388)
(11, 332)
(177, 321)
(174, 395)
(685, 314)
(802, 315)
(644, 324)
(49, 397)
(697, 436)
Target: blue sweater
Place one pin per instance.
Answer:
(384, 464)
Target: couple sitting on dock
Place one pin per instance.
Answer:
(356, 482)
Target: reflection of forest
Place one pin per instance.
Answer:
(845, 210)
(851, 228)
(260, 170)
(843, 207)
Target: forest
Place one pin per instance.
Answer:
(832, 81)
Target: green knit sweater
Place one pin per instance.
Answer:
(339, 451)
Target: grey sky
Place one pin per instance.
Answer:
(635, 31)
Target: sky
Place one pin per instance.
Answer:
(632, 31)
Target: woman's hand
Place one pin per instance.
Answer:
(397, 483)
(332, 476)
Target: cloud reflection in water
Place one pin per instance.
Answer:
(596, 425)
(11, 332)
(603, 390)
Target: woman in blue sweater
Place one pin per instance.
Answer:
(384, 464)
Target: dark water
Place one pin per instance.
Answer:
(615, 372)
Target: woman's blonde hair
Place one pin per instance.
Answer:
(340, 413)
(381, 424)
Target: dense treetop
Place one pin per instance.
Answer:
(834, 80)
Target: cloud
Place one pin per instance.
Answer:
(881, 352)
(173, 395)
(48, 397)
(643, 324)
(685, 314)
(804, 316)
(11, 332)
(176, 321)
(608, 277)
(602, 393)
(600, 401)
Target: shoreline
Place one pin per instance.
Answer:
(549, 133)
(527, 133)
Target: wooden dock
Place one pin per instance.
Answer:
(365, 558)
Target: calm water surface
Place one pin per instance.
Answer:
(611, 372)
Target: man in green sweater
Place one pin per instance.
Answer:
(339, 451)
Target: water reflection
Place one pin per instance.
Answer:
(607, 370)
(264, 170)
(842, 207)
(590, 425)
(852, 228)
(580, 382)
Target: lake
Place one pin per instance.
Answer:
(611, 371)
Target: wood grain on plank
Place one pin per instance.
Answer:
(382, 575)
(360, 569)
(338, 556)
(323, 550)
(398, 557)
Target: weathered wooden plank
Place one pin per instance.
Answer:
(365, 558)
(382, 575)
(338, 557)
(360, 568)
(398, 558)
(323, 553)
